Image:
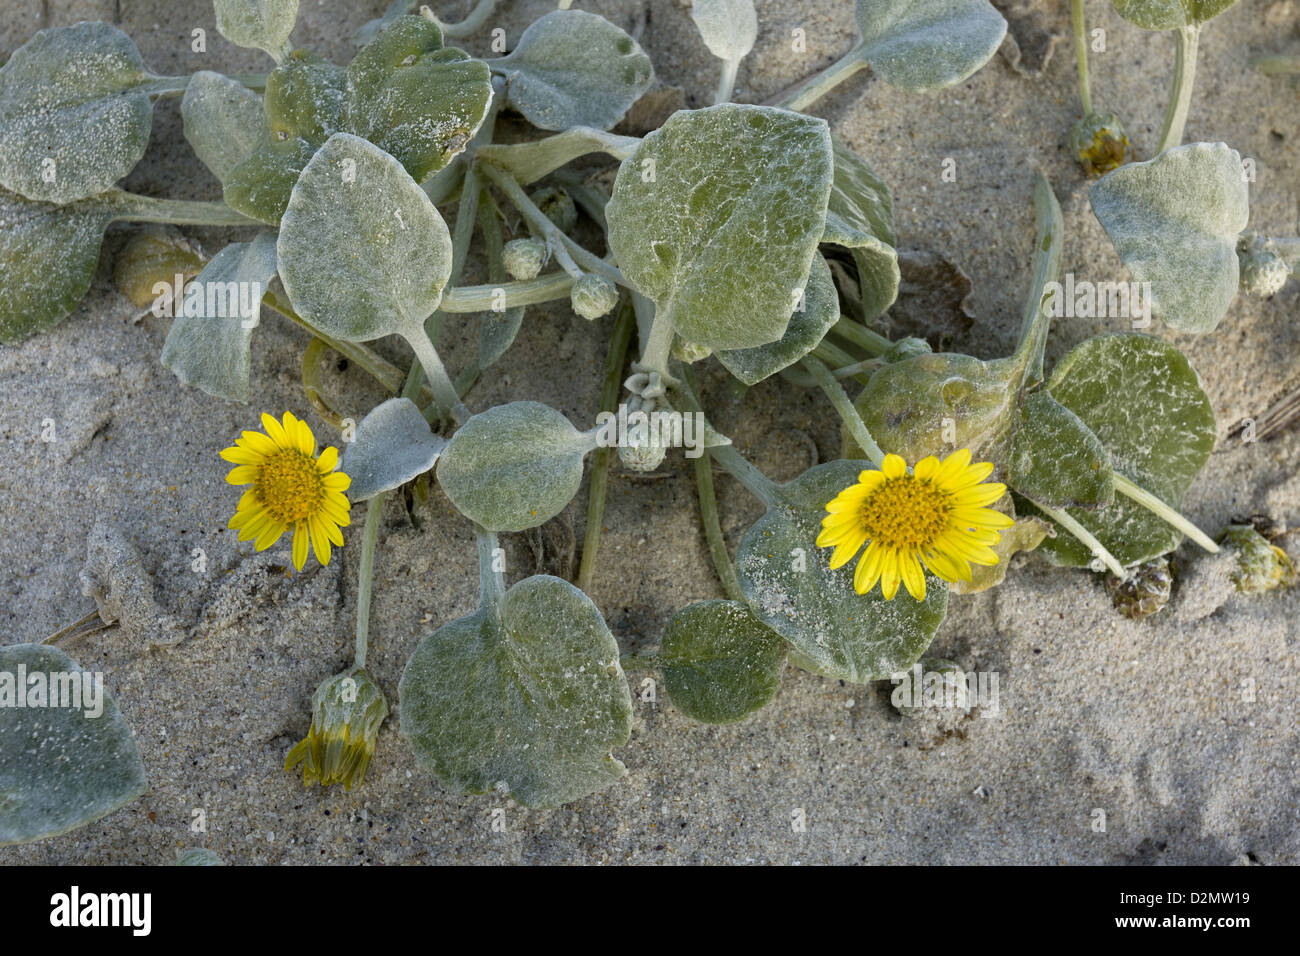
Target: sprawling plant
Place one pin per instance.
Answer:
(745, 233)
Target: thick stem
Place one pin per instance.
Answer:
(755, 482)
(311, 357)
(477, 17)
(844, 408)
(1081, 54)
(484, 298)
(491, 580)
(721, 558)
(726, 81)
(444, 392)
(657, 346)
(1180, 94)
(825, 81)
(178, 212)
(615, 359)
(1085, 536)
(860, 335)
(1164, 512)
(366, 573)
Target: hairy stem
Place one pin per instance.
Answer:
(178, 212)
(857, 333)
(477, 17)
(1085, 536)
(718, 553)
(1180, 94)
(1164, 512)
(491, 581)
(844, 408)
(311, 357)
(814, 89)
(366, 573)
(1081, 54)
(484, 298)
(755, 482)
(726, 81)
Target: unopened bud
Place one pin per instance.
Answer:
(524, 258)
(592, 296)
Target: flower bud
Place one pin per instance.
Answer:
(1263, 270)
(1260, 566)
(524, 258)
(347, 711)
(1145, 591)
(1099, 141)
(592, 296)
(644, 455)
(557, 205)
(689, 352)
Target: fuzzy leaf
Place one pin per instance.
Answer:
(1055, 457)
(514, 466)
(223, 121)
(363, 252)
(208, 346)
(860, 217)
(720, 663)
(787, 581)
(1174, 221)
(74, 113)
(573, 68)
(923, 45)
(717, 216)
(1169, 14)
(60, 767)
(257, 24)
(526, 694)
(392, 445)
(728, 27)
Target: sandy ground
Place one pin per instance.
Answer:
(1146, 721)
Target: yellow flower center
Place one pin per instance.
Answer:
(289, 485)
(906, 513)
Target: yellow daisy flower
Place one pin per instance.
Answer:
(292, 488)
(934, 516)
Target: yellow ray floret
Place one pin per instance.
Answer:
(292, 488)
(935, 516)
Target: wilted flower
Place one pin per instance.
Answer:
(347, 711)
(1099, 141)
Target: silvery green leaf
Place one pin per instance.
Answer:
(1169, 14)
(258, 24)
(728, 27)
(363, 252)
(514, 466)
(1174, 221)
(208, 347)
(60, 767)
(923, 45)
(47, 258)
(529, 162)
(1145, 403)
(860, 217)
(392, 445)
(526, 694)
(818, 311)
(303, 107)
(717, 215)
(573, 68)
(74, 113)
(788, 582)
(720, 663)
(1055, 457)
(414, 98)
(496, 333)
(223, 121)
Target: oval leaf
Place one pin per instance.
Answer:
(61, 767)
(788, 582)
(392, 445)
(526, 694)
(1169, 14)
(1055, 457)
(74, 116)
(728, 27)
(363, 252)
(573, 68)
(720, 663)
(717, 216)
(860, 217)
(1174, 221)
(258, 24)
(514, 466)
(923, 45)
(223, 121)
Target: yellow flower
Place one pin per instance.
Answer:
(292, 488)
(934, 516)
(347, 712)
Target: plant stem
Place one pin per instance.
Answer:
(703, 465)
(1180, 94)
(1274, 65)
(484, 298)
(1081, 54)
(755, 482)
(825, 81)
(491, 582)
(1085, 536)
(1164, 512)
(444, 392)
(726, 81)
(178, 212)
(844, 408)
(657, 345)
(615, 359)
(311, 357)
(477, 17)
(366, 573)
(860, 335)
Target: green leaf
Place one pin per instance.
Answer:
(363, 252)
(717, 216)
(258, 24)
(496, 333)
(526, 694)
(48, 255)
(414, 98)
(1174, 221)
(860, 217)
(223, 121)
(1055, 457)
(1169, 14)
(728, 27)
(303, 108)
(392, 445)
(720, 663)
(208, 344)
(573, 68)
(1145, 403)
(788, 582)
(74, 113)
(61, 767)
(923, 45)
(808, 325)
(514, 466)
